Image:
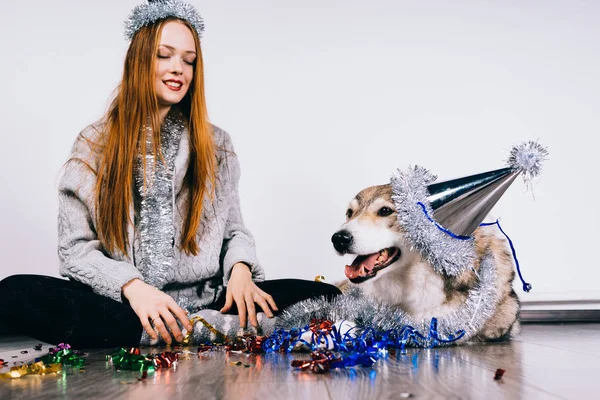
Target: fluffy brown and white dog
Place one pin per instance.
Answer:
(387, 269)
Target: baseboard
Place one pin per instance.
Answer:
(537, 316)
(560, 301)
(560, 307)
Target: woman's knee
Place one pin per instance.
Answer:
(14, 282)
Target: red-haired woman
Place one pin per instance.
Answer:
(150, 228)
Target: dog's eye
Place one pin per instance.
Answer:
(385, 211)
(349, 213)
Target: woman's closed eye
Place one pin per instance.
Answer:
(167, 56)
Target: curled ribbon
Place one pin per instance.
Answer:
(212, 329)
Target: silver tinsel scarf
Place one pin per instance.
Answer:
(446, 254)
(156, 212)
(367, 312)
(148, 13)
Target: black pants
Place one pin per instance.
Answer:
(56, 310)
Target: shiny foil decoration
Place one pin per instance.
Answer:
(37, 368)
(166, 359)
(321, 326)
(156, 230)
(131, 359)
(149, 13)
(252, 343)
(49, 363)
(64, 357)
(321, 362)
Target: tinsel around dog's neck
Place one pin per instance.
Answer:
(367, 312)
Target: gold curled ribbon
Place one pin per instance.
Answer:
(211, 328)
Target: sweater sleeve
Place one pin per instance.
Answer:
(81, 255)
(238, 242)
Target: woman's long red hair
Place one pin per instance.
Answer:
(134, 106)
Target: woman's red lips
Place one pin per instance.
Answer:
(173, 84)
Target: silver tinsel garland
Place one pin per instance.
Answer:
(367, 312)
(148, 13)
(447, 255)
(364, 312)
(156, 231)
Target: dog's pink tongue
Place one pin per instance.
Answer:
(355, 270)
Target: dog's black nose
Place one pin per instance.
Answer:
(341, 241)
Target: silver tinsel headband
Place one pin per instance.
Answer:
(156, 10)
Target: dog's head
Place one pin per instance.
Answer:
(372, 233)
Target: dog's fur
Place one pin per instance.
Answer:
(410, 282)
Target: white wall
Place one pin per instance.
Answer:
(324, 98)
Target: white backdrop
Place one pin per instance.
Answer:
(324, 98)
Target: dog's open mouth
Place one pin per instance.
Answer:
(365, 267)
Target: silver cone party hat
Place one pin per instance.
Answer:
(460, 205)
(438, 218)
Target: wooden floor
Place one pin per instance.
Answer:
(544, 362)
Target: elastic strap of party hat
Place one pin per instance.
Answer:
(526, 286)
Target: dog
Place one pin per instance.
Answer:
(386, 268)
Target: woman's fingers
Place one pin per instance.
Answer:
(270, 300)
(251, 309)
(262, 302)
(228, 302)
(148, 328)
(162, 329)
(241, 306)
(181, 315)
(171, 322)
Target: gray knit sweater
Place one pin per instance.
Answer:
(193, 281)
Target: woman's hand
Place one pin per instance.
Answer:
(153, 305)
(245, 293)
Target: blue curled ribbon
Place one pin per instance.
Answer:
(364, 349)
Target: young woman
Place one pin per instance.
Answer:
(150, 227)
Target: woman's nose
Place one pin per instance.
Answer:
(176, 66)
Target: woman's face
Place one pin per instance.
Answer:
(175, 62)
